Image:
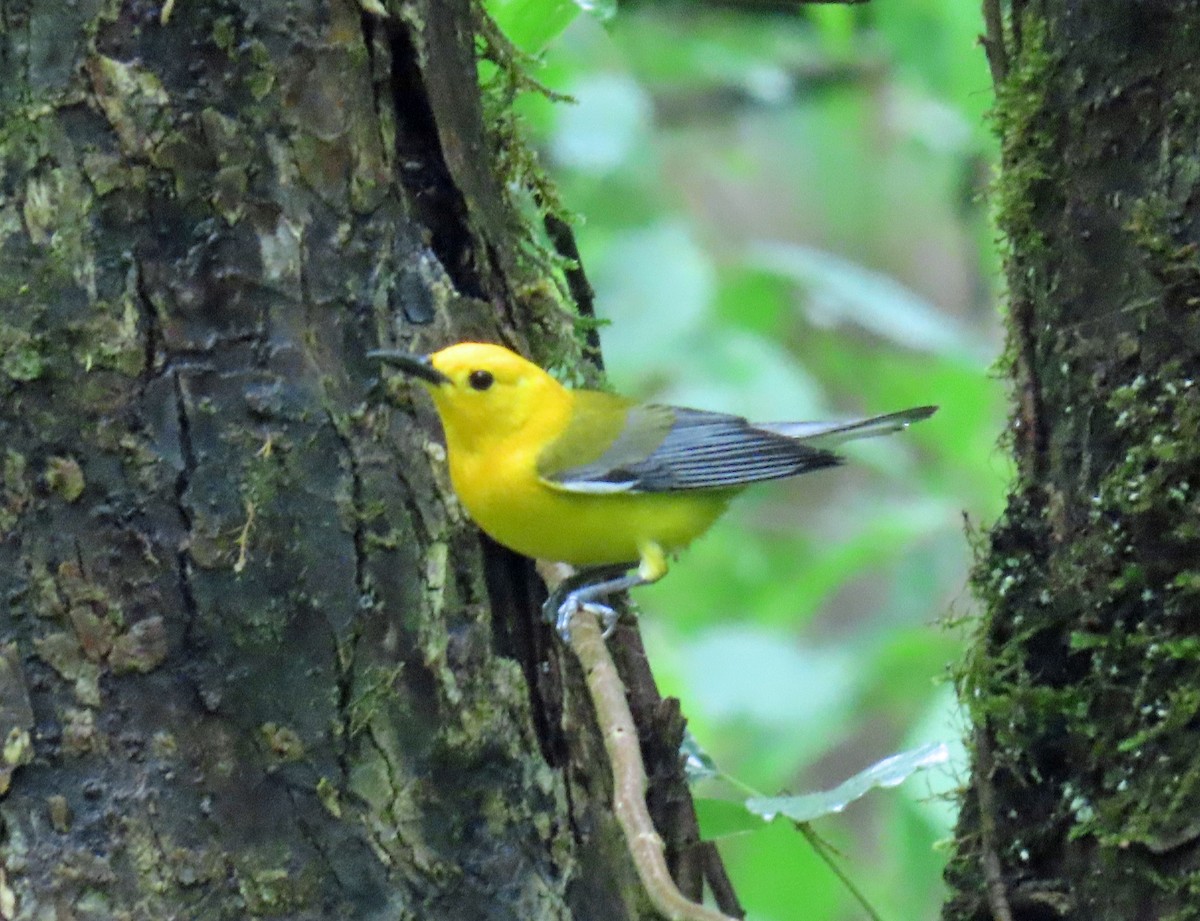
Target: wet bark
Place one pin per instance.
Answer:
(255, 661)
(1084, 682)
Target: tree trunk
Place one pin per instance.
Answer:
(1084, 683)
(256, 662)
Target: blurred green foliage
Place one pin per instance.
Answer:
(781, 213)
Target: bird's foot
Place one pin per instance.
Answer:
(577, 602)
(580, 592)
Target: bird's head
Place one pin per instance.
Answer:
(481, 391)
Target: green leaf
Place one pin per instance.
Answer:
(532, 24)
(722, 818)
(889, 772)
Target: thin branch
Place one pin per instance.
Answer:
(993, 872)
(563, 240)
(993, 41)
(629, 775)
(719, 881)
(1016, 15)
(822, 850)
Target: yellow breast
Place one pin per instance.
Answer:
(504, 495)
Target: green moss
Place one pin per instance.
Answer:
(64, 476)
(262, 77)
(1088, 673)
(557, 335)
(330, 797)
(265, 472)
(1085, 674)
(21, 355)
(1156, 226)
(224, 34)
(266, 480)
(143, 464)
(170, 877)
(269, 892)
(1024, 118)
(282, 742)
(15, 494)
(16, 750)
(107, 172)
(56, 214)
(133, 100)
(111, 338)
(375, 690)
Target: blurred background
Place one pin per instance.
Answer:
(782, 211)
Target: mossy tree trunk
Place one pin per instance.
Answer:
(255, 662)
(1084, 683)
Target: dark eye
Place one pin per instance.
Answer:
(481, 380)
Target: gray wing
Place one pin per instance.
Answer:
(665, 449)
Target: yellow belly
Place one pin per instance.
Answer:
(583, 529)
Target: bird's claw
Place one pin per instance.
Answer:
(580, 591)
(572, 605)
(608, 618)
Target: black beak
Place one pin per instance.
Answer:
(416, 365)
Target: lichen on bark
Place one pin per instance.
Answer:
(266, 672)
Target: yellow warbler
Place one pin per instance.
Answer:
(596, 480)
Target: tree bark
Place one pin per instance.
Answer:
(255, 660)
(1084, 682)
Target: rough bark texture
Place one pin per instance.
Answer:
(254, 661)
(1084, 685)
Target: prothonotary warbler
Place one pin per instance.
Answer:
(598, 481)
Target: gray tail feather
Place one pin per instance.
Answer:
(827, 434)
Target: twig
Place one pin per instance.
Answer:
(629, 775)
(563, 240)
(719, 881)
(822, 850)
(993, 41)
(993, 873)
(1016, 15)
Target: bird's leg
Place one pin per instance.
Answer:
(584, 588)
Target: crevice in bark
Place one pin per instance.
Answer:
(345, 652)
(1029, 429)
(413, 510)
(183, 556)
(151, 324)
(514, 589)
(421, 165)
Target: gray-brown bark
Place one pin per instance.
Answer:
(1084, 684)
(253, 666)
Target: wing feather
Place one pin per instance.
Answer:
(667, 448)
(826, 434)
